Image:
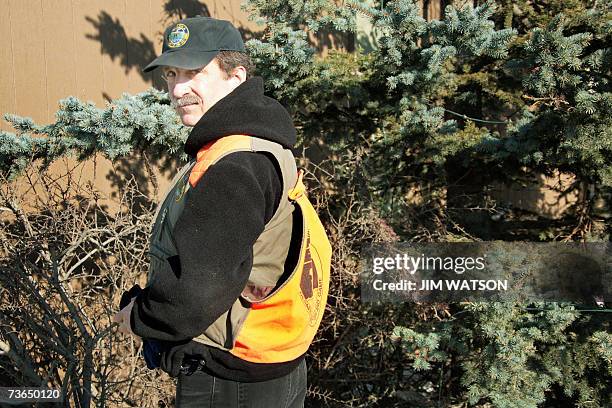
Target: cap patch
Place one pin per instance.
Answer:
(178, 36)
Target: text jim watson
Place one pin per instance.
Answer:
(443, 284)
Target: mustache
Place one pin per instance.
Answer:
(185, 100)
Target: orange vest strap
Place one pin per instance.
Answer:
(214, 150)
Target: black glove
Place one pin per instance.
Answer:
(126, 298)
(181, 357)
(152, 352)
(151, 349)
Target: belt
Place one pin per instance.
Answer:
(190, 365)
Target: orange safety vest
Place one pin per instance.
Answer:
(280, 309)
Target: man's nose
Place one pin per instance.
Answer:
(180, 88)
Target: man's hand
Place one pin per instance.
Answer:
(123, 318)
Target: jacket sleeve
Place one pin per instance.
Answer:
(224, 215)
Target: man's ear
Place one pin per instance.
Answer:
(238, 75)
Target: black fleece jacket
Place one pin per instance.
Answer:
(223, 216)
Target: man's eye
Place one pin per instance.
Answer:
(168, 74)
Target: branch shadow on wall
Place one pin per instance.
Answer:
(134, 53)
(130, 53)
(179, 9)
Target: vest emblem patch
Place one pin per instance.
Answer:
(311, 285)
(181, 188)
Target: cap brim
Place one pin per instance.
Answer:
(182, 58)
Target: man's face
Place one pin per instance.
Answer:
(194, 92)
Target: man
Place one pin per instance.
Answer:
(239, 260)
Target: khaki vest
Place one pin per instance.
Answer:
(280, 308)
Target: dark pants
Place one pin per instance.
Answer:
(203, 390)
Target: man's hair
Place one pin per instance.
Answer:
(228, 60)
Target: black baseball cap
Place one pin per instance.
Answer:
(193, 42)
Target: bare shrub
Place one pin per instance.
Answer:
(64, 263)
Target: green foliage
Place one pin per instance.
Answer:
(565, 74)
(141, 122)
(512, 356)
(472, 33)
(424, 347)
(283, 57)
(315, 14)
